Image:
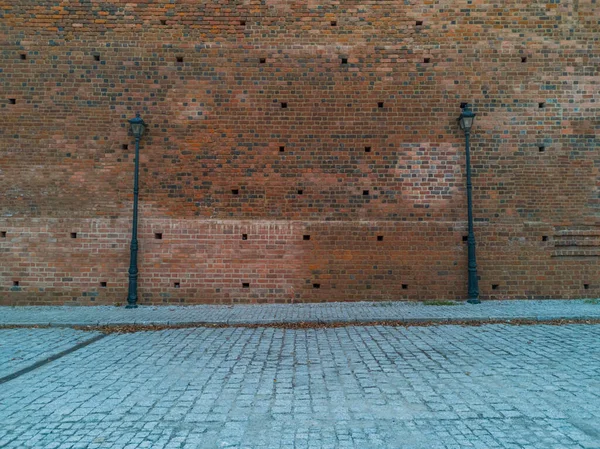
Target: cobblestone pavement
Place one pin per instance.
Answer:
(276, 313)
(21, 348)
(490, 386)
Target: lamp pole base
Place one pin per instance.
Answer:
(131, 306)
(473, 301)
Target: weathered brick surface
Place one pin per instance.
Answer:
(332, 164)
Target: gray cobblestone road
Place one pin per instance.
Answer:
(21, 348)
(276, 313)
(492, 386)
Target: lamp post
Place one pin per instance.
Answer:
(466, 119)
(137, 128)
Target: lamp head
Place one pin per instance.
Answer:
(466, 119)
(137, 126)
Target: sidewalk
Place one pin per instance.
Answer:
(361, 312)
(494, 386)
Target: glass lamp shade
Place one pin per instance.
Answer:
(466, 119)
(137, 126)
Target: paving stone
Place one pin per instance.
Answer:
(315, 313)
(492, 386)
(21, 348)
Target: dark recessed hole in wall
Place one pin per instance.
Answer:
(73, 235)
(96, 57)
(179, 59)
(586, 286)
(300, 191)
(15, 283)
(463, 105)
(103, 284)
(281, 149)
(23, 56)
(523, 58)
(244, 236)
(284, 105)
(158, 235)
(419, 23)
(365, 192)
(12, 101)
(495, 286)
(163, 22)
(344, 60)
(262, 60)
(316, 285)
(245, 284)
(367, 149)
(544, 238)
(380, 238)
(242, 22)
(235, 191)
(125, 146)
(333, 23)
(465, 238)
(3, 234)
(306, 237)
(176, 284)
(427, 60)
(541, 105)
(404, 286)
(380, 104)
(542, 149)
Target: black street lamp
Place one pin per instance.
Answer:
(137, 128)
(466, 119)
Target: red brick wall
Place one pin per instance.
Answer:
(76, 71)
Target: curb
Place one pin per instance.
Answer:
(135, 326)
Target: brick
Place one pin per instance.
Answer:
(216, 124)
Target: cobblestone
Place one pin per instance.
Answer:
(359, 312)
(20, 348)
(492, 386)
